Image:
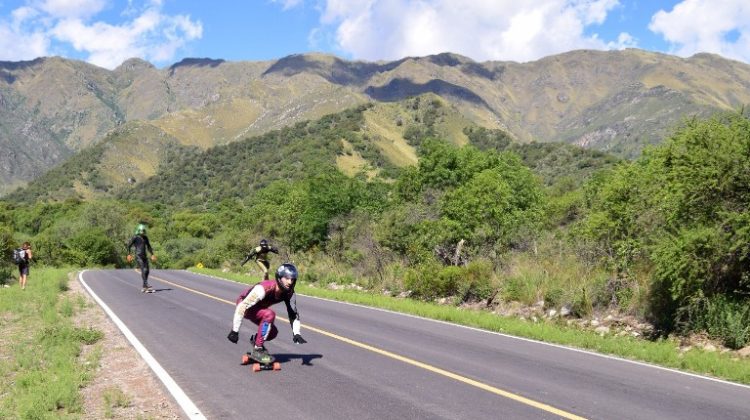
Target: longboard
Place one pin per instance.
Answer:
(258, 365)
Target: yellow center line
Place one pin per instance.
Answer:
(443, 372)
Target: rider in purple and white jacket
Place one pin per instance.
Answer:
(255, 304)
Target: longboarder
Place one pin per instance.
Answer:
(141, 243)
(255, 304)
(260, 253)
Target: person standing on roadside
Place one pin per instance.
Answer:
(23, 265)
(141, 243)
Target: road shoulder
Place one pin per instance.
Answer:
(120, 368)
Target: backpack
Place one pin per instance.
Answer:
(19, 256)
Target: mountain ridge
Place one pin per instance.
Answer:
(615, 101)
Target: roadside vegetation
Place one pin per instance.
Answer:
(41, 371)
(492, 225)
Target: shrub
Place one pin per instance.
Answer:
(91, 247)
(431, 281)
(478, 281)
(722, 318)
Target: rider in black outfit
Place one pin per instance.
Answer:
(141, 243)
(260, 253)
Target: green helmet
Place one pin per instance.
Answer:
(140, 229)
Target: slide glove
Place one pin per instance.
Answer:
(233, 336)
(298, 339)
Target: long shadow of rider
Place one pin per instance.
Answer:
(288, 357)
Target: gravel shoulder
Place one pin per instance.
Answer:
(123, 387)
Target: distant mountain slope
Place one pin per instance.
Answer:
(373, 138)
(140, 161)
(28, 148)
(128, 155)
(617, 101)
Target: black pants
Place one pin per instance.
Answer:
(143, 265)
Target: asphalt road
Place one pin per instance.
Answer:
(362, 363)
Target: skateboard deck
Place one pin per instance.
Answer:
(258, 365)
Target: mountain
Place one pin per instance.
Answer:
(615, 101)
(201, 179)
(371, 140)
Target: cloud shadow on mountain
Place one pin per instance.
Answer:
(339, 71)
(195, 62)
(399, 89)
(6, 67)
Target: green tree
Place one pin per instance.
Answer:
(684, 208)
(485, 198)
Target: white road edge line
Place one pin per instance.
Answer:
(187, 405)
(559, 346)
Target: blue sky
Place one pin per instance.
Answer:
(106, 32)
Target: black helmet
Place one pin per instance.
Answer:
(263, 243)
(286, 270)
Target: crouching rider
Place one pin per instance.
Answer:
(255, 304)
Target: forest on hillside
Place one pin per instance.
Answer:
(665, 237)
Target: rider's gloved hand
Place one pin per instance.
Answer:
(297, 339)
(233, 336)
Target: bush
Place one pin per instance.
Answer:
(478, 282)
(582, 303)
(182, 252)
(431, 281)
(91, 247)
(7, 244)
(722, 318)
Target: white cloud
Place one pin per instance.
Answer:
(18, 43)
(151, 35)
(45, 26)
(288, 4)
(480, 29)
(21, 46)
(694, 26)
(624, 40)
(70, 8)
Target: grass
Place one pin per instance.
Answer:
(662, 352)
(41, 372)
(114, 398)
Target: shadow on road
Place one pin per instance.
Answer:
(306, 358)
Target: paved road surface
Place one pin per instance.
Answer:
(362, 363)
